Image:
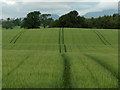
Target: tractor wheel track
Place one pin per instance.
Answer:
(18, 37)
(103, 65)
(92, 76)
(100, 38)
(59, 41)
(65, 49)
(14, 69)
(104, 38)
(66, 73)
(15, 36)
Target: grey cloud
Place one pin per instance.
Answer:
(20, 9)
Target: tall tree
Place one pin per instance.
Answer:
(72, 20)
(50, 22)
(44, 19)
(32, 20)
(69, 19)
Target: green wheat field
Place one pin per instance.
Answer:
(60, 58)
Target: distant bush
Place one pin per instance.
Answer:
(17, 22)
(0, 22)
(8, 25)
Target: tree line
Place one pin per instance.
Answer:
(70, 20)
(74, 20)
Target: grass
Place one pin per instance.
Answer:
(32, 69)
(86, 73)
(56, 58)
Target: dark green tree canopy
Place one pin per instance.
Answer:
(44, 19)
(32, 20)
(71, 19)
(8, 25)
(17, 22)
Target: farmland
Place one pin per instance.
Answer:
(60, 58)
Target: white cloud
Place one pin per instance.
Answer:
(46, 5)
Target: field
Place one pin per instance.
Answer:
(60, 58)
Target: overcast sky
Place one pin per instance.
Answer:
(19, 8)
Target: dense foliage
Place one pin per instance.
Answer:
(105, 22)
(73, 20)
(45, 21)
(17, 22)
(36, 19)
(32, 20)
(8, 25)
(11, 23)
